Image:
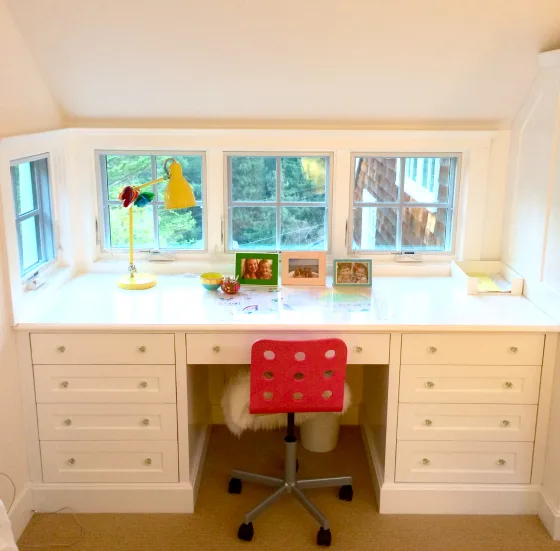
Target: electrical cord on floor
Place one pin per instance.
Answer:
(13, 488)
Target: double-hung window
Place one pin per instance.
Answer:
(278, 202)
(154, 226)
(404, 204)
(34, 224)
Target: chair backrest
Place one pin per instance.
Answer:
(297, 376)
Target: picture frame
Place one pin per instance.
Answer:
(352, 272)
(304, 268)
(255, 268)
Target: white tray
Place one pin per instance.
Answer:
(507, 281)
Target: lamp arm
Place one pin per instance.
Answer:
(152, 182)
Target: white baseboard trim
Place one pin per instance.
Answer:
(459, 499)
(198, 462)
(549, 515)
(21, 511)
(115, 498)
(374, 461)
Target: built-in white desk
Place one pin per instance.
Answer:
(455, 388)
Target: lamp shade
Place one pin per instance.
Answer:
(178, 193)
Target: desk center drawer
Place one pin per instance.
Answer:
(229, 348)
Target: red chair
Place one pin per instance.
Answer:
(292, 377)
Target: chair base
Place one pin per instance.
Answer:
(290, 485)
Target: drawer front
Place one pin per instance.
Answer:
(109, 461)
(474, 422)
(472, 349)
(119, 348)
(459, 384)
(230, 348)
(82, 384)
(107, 422)
(473, 462)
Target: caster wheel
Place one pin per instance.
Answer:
(235, 486)
(245, 532)
(346, 493)
(324, 537)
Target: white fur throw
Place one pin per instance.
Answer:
(235, 405)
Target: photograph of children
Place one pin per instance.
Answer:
(351, 272)
(303, 267)
(257, 268)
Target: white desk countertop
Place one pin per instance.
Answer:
(180, 303)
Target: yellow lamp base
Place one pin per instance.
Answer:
(137, 282)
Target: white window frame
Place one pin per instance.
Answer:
(451, 206)
(104, 231)
(228, 203)
(45, 212)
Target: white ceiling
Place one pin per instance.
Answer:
(408, 63)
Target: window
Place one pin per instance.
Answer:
(34, 225)
(404, 203)
(278, 202)
(154, 227)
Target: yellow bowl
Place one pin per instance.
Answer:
(211, 280)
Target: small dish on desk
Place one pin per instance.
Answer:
(230, 285)
(211, 280)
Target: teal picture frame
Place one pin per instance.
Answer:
(244, 267)
(348, 272)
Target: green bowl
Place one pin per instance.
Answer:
(211, 281)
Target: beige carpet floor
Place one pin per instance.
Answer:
(356, 526)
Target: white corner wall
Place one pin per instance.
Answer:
(26, 103)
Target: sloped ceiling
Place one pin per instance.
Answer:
(415, 63)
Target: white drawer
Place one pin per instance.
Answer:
(220, 348)
(109, 461)
(473, 462)
(114, 348)
(459, 384)
(105, 383)
(479, 349)
(107, 421)
(474, 422)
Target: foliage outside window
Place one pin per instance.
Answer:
(403, 203)
(34, 225)
(154, 227)
(278, 202)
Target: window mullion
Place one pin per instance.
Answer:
(400, 209)
(278, 225)
(154, 207)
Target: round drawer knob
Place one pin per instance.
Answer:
(64, 384)
(430, 384)
(148, 461)
(358, 349)
(428, 422)
(71, 461)
(425, 461)
(143, 384)
(216, 348)
(61, 349)
(67, 422)
(508, 384)
(501, 462)
(142, 349)
(432, 349)
(513, 349)
(145, 421)
(505, 423)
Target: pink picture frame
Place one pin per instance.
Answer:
(307, 268)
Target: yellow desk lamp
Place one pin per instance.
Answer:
(178, 195)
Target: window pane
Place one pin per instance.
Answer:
(253, 178)
(377, 180)
(429, 179)
(424, 229)
(303, 228)
(253, 228)
(25, 189)
(29, 242)
(375, 229)
(303, 179)
(143, 227)
(127, 170)
(181, 228)
(192, 171)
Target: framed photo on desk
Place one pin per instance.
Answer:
(304, 268)
(256, 268)
(350, 272)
